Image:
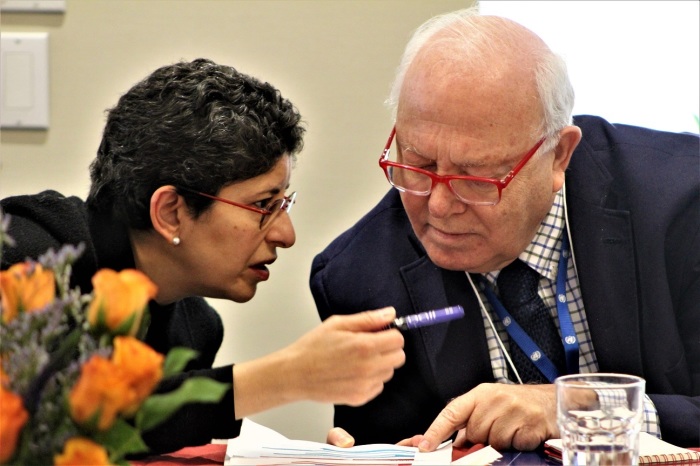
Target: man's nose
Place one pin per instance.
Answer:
(442, 202)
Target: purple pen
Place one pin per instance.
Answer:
(422, 319)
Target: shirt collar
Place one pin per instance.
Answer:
(542, 254)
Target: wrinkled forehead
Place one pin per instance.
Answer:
(484, 87)
(489, 97)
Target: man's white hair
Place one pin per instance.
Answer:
(476, 35)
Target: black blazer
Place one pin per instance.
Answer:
(633, 198)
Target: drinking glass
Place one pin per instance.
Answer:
(599, 418)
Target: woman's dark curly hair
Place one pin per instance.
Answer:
(197, 125)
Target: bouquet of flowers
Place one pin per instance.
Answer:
(76, 381)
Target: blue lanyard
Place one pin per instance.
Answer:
(523, 340)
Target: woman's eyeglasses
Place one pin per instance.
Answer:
(269, 213)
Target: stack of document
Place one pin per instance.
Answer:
(260, 445)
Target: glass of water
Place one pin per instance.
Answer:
(599, 418)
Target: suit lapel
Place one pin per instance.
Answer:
(456, 353)
(604, 254)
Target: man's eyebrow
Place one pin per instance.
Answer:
(468, 164)
(410, 148)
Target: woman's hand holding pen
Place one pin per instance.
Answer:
(345, 360)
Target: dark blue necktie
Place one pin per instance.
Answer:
(517, 286)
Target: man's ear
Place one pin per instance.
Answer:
(166, 210)
(569, 137)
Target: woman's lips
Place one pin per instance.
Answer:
(261, 271)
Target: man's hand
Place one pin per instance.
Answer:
(501, 415)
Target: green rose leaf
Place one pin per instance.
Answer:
(121, 439)
(177, 359)
(158, 408)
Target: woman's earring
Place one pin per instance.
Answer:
(176, 240)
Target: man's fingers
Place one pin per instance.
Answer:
(340, 438)
(410, 442)
(452, 418)
(461, 439)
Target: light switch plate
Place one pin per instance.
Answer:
(24, 80)
(33, 6)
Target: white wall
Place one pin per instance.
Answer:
(333, 59)
(633, 62)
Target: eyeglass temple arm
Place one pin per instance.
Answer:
(511, 174)
(387, 147)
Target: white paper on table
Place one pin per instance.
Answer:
(484, 456)
(260, 445)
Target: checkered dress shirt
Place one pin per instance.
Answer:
(543, 256)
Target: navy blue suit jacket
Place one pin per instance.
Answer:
(633, 198)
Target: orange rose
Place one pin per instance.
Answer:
(120, 300)
(25, 287)
(100, 394)
(141, 366)
(13, 416)
(81, 451)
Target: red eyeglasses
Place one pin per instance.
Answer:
(474, 190)
(269, 213)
